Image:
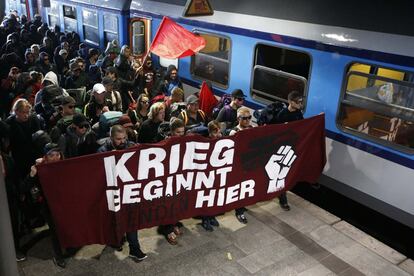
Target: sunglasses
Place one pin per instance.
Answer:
(240, 99)
(71, 106)
(83, 126)
(245, 117)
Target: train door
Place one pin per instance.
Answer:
(139, 36)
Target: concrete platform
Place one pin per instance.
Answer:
(303, 241)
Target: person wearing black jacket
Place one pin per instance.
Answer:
(149, 128)
(32, 185)
(118, 141)
(292, 112)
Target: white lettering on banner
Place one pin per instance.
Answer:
(227, 155)
(191, 155)
(146, 163)
(212, 185)
(114, 200)
(113, 170)
(131, 194)
(153, 190)
(234, 193)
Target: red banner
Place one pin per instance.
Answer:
(95, 199)
(173, 41)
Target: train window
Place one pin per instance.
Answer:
(23, 7)
(90, 26)
(379, 104)
(54, 14)
(69, 12)
(278, 71)
(213, 62)
(69, 19)
(138, 38)
(110, 27)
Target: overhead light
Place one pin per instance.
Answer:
(339, 37)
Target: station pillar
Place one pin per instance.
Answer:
(8, 264)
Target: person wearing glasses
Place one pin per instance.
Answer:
(64, 117)
(75, 135)
(292, 112)
(140, 113)
(228, 113)
(244, 118)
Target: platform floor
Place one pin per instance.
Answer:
(303, 241)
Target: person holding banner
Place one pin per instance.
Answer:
(244, 119)
(172, 231)
(214, 131)
(292, 112)
(52, 153)
(118, 141)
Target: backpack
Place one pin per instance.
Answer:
(224, 100)
(107, 120)
(199, 112)
(52, 95)
(269, 114)
(176, 109)
(80, 95)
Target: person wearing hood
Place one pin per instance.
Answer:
(110, 56)
(123, 63)
(29, 63)
(35, 49)
(44, 65)
(171, 80)
(61, 61)
(49, 79)
(49, 96)
(75, 135)
(47, 46)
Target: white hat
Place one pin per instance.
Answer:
(63, 51)
(98, 88)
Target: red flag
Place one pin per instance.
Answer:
(173, 41)
(207, 99)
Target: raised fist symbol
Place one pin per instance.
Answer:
(278, 167)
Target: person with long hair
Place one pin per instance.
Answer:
(149, 128)
(140, 113)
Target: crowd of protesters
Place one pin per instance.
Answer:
(61, 99)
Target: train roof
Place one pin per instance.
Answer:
(345, 23)
(121, 5)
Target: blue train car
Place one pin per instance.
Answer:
(350, 63)
(361, 79)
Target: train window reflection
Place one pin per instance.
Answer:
(278, 71)
(213, 62)
(69, 19)
(90, 26)
(54, 14)
(379, 104)
(110, 27)
(138, 38)
(69, 12)
(275, 85)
